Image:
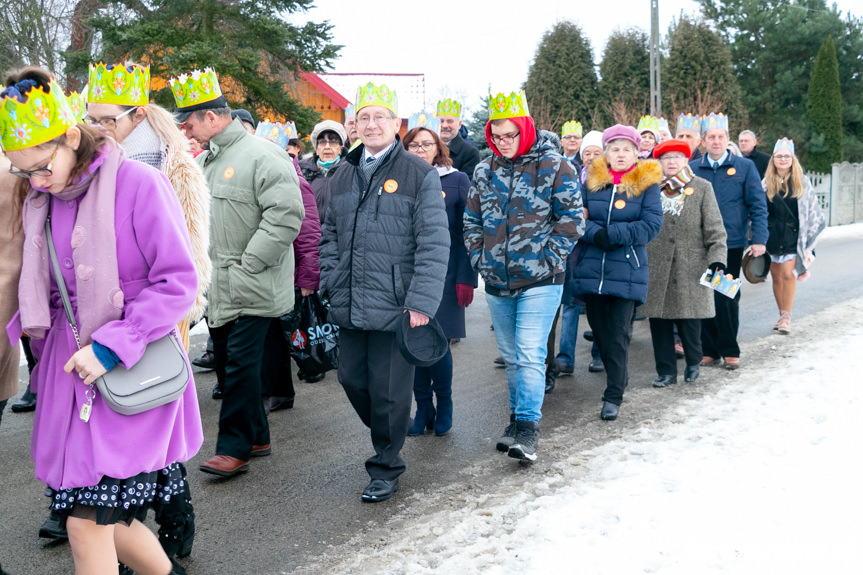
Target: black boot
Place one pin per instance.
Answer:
(176, 568)
(424, 418)
(551, 373)
(54, 527)
(26, 403)
(176, 521)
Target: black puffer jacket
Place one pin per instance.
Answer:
(385, 244)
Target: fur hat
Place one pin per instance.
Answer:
(620, 132)
(328, 126)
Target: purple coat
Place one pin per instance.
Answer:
(307, 272)
(158, 279)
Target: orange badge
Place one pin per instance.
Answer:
(688, 191)
(229, 173)
(731, 171)
(391, 186)
(443, 193)
(619, 204)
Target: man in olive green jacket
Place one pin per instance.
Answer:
(256, 212)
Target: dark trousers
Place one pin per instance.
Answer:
(436, 378)
(239, 350)
(719, 333)
(378, 382)
(276, 377)
(662, 334)
(611, 320)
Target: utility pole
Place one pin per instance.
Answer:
(655, 83)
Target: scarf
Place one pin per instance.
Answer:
(325, 166)
(144, 145)
(94, 251)
(672, 196)
(617, 177)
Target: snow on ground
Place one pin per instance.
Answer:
(762, 476)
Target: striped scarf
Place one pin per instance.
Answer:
(672, 195)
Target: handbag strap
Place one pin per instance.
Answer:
(58, 276)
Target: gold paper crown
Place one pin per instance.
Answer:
(648, 124)
(118, 84)
(196, 87)
(449, 108)
(571, 128)
(713, 120)
(513, 105)
(784, 145)
(78, 105)
(371, 95)
(39, 118)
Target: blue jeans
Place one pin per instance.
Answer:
(568, 334)
(521, 327)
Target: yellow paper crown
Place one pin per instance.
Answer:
(449, 108)
(572, 128)
(713, 120)
(196, 87)
(784, 145)
(371, 95)
(648, 124)
(40, 117)
(78, 105)
(502, 107)
(119, 84)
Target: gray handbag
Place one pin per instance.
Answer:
(159, 377)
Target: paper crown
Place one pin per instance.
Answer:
(572, 128)
(712, 121)
(449, 108)
(424, 120)
(118, 84)
(279, 134)
(78, 105)
(784, 145)
(371, 95)
(688, 122)
(197, 87)
(40, 118)
(663, 125)
(349, 111)
(648, 124)
(513, 105)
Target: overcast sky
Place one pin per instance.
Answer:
(465, 46)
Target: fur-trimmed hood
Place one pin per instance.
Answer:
(634, 182)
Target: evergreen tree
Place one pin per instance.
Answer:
(256, 53)
(697, 76)
(624, 87)
(824, 110)
(561, 82)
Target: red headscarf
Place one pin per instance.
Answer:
(526, 128)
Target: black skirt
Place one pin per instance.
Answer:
(120, 500)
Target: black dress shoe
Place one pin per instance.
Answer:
(664, 380)
(596, 366)
(217, 391)
(691, 373)
(562, 368)
(380, 490)
(499, 361)
(314, 378)
(588, 335)
(206, 361)
(275, 403)
(551, 373)
(609, 411)
(26, 403)
(52, 529)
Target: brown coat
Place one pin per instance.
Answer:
(11, 246)
(687, 244)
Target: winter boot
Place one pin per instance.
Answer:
(526, 440)
(443, 418)
(176, 521)
(508, 438)
(424, 418)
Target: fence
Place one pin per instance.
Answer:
(840, 193)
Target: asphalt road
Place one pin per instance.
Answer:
(300, 508)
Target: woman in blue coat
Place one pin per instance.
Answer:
(624, 213)
(459, 284)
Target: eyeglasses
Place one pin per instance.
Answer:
(379, 119)
(43, 172)
(505, 139)
(571, 138)
(110, 122)
(670, 158)
(414, 146)
(782, 157)
(334, 142)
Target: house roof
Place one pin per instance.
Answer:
(335, 97)
(409, 88)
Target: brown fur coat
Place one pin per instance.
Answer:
(646, 173)
(11, 246)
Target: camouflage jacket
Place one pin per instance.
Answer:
(523, 217)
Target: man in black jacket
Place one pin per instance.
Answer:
(464, 156)
(383, 253)
(747, 143)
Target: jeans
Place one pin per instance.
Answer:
(568, 334)
(521, 327)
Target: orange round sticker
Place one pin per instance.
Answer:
(731, 171)
(619, 204)
(229, 173)
(688, 191)
(443, 193)
(391, 186)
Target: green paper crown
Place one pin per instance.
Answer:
(648, 124)
(449, 108)
(195, 88)
(78, 105)
(502, 107)
(714, 121)
(572, 128)
(371, 95)
(39, 119)
(118, 84)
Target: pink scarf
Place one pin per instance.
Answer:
(94, 251)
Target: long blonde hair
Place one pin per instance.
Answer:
(792, 183)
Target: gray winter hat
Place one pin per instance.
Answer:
(328, 126)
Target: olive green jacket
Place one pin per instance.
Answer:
(255, 213)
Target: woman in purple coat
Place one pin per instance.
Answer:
(125, 257)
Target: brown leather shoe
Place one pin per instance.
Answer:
(225, 466)
(707, 360)
(261, 450)
(732, 363)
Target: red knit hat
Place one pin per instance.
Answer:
(672, 146)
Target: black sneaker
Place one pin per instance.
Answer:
(508, 438)
(526, 440)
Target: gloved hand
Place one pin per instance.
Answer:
(464, 294)
(715, 267)
(600, 239)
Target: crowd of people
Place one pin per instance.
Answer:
(128, 223)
